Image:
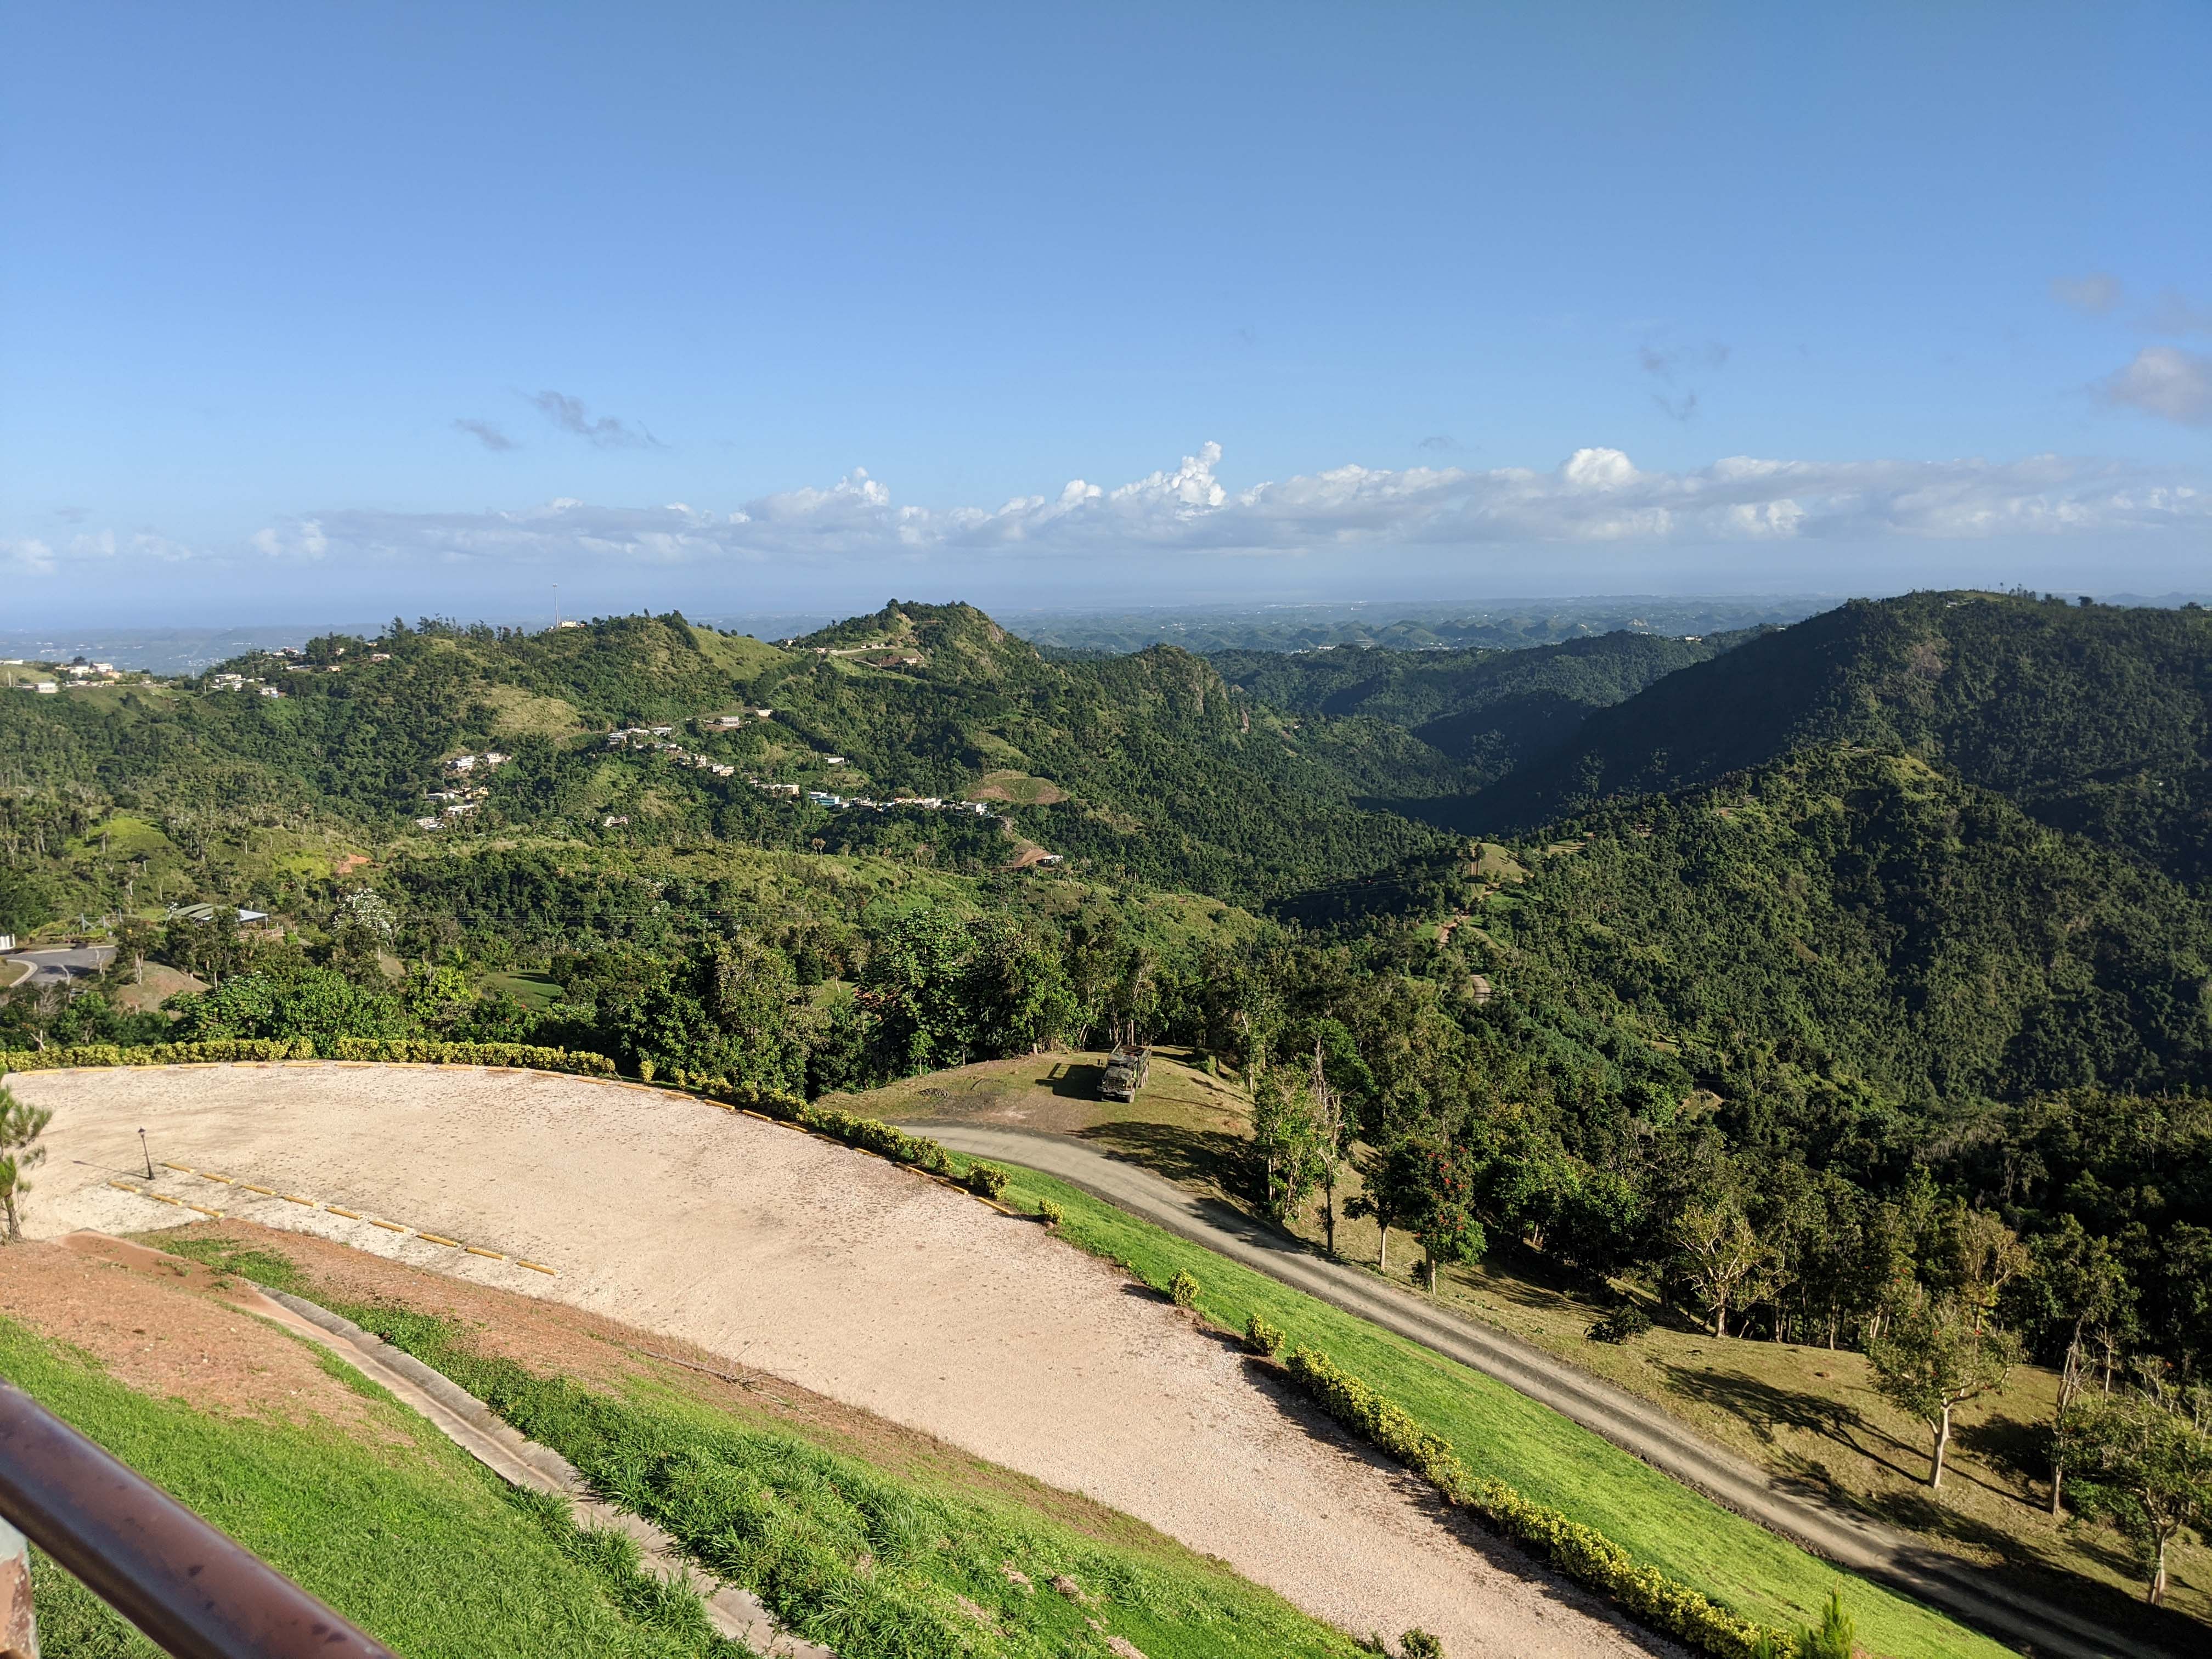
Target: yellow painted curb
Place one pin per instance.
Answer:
(350, 1215)
(388, 1226)
(265, 1192)
(293, 1198)
(209, 1174)
(204, 1209)
(533, 1266)
(432, 1238)
(473, 1251)
(181, 1169)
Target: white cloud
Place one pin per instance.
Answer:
(28, 555)
(2094, 294)
(2165, 382)
(1596, 497)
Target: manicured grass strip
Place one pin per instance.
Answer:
(1582, 1553)
(1506, 1437)
(873, 1566)
(396, 1529)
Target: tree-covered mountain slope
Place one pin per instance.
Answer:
(2092, 718)
(1847, 929)
(1144, 768)
(1482, 712)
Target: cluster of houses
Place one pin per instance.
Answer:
(457, 803)
(655, 738)
(241, 682)
(78, 673)
(835, 802)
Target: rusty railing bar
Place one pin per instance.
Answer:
(193, 1592)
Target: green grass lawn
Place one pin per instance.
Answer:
(872, 1564)
(411, 1539)
(1499, 1432)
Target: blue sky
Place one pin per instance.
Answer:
(418, 308)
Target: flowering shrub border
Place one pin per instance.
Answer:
(1584, 1554)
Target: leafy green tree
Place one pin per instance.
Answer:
(2144, 1461)
(2081, 1286)
(915, 986)
(290, 1001)
(1978, 1257)
(1024, 1000)
(21, 1125)
(1442, 1217)
(1284, 1137)
(1934, 1355)
(1396, 1179)
(1719, 1255)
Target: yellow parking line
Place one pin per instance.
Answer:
(333, 1209)
(181, 1169)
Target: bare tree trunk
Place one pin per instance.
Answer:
(1382, 1250)
(2157, 1597)
(1942, 1445)
(1432, 1265)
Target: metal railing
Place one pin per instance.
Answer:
(193, 1592)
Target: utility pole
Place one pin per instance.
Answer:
(556, 607)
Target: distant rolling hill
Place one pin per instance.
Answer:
(2091, 718)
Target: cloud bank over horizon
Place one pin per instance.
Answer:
(1596, 497)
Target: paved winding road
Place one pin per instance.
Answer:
(58, 964)
(1892, 1557)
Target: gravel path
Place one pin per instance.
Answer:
(844, 1273)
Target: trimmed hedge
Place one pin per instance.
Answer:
(869, 1134)
(1584, 1554)
(232, 1051)
(157, 1053)
(414, 1051)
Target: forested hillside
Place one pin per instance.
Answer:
(2092, 718)
(1855, 929)
(1482, 713)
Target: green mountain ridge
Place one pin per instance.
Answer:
(2093, 718)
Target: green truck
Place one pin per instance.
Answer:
(1125, 1071)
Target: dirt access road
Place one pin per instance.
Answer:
(1889, 1557)
(848, 1275)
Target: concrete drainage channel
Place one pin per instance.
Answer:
(469, 1423)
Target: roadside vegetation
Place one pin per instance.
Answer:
(1505, 1436)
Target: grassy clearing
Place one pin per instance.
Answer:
(1500, 1433)
(873, 1566)
(410, 1539)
